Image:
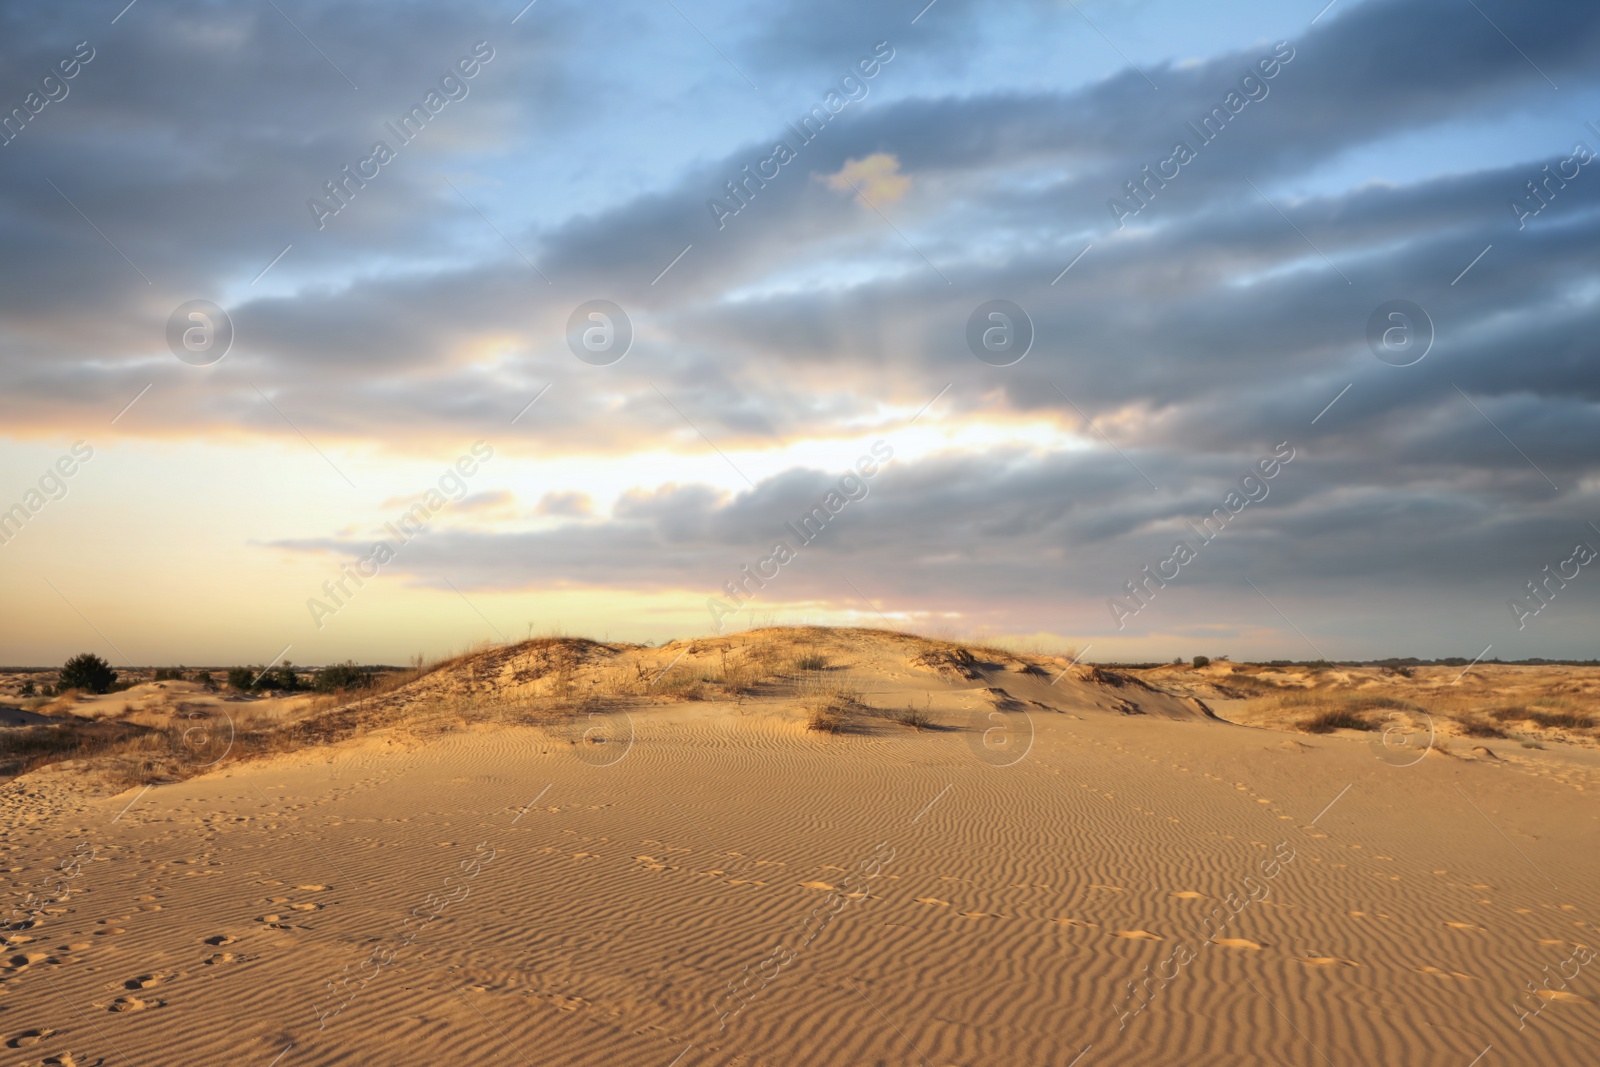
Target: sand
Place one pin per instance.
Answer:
(710, 882)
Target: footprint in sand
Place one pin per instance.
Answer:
(1467, 926)
(1326, 961)
(27, 959)
(1139, 935)
(1437, 973)
(1560, 994)
(933, 900)
(1072, 922)
(1237, 942)
(30, 1037)
(135, 1004)
(823, 886)
(306, 907)
(144, 981)
(221, 939)
(312, 888)
(1188, 894)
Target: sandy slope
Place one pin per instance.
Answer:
(729, 888)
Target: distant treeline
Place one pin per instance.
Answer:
(1392, 663)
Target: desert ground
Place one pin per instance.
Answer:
(810, 846)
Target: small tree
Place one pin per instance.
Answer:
(1201, 661)
(281, 677)
(28, 688)
(204, 678)
(87, 672)
(241, 678)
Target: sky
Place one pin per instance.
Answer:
(1137, 328)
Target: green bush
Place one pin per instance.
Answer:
(281, 677)
(87, 672)
(241, 678)
(342, 676)
(1202, 661)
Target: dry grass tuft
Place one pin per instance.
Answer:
(1335, 719)
(914, 717)
(831, 705)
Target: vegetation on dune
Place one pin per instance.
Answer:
(1335, 719)
(554, 681)
(87, 672)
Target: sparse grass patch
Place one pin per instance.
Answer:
(810, 661)
(1372, 701)
(27, 748)
(1561, 720)
(1335, 719)
(1550, 720)
(1512, 713)
(914, 717)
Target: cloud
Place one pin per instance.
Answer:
(1220, 320)
(570, 504)
(876, 179)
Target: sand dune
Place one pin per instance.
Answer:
(1095, 871)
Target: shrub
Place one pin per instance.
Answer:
(28, 688)
(87, 672)
(241, 678)
(826, 720)
(811, 661)
(169, 674)
(1479, 728)
(1202, 661)
(342, 676)
(204, 678)
(281, 677)
(1337, 719)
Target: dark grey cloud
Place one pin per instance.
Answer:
(1213, 326)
